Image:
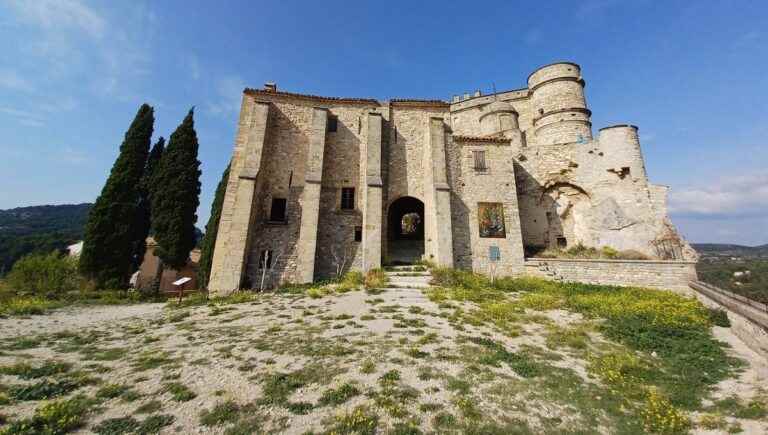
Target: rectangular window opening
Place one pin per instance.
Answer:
(479, 160)
(277, 212)
(347, 198)
(333, 123)
(358, 234)
(562, 242)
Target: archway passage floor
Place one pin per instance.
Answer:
(385, 359)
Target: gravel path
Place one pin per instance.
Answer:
(74, 318)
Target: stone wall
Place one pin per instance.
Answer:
(670, 275)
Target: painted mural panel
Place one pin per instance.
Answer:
(490, 216)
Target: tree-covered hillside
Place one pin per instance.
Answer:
(41, 228)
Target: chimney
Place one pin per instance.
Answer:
(270, 86)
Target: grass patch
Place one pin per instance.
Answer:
(26, 371)
(221, 413)
(56, 417)
(360, 421)
(375, 279)
(117, 426)
(339, 395)
(179, 392)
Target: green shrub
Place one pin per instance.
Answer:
(57, 417)
(48, 275)
(719, 317)
(351, 281)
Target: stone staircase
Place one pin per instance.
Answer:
(410, 277)
(406, 286)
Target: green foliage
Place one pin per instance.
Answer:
(143, 222)
(222, 413)
(359, 421)
(44, 389)
(719, 317)
(719, 272)
(175, 196)
(212, 231)
(26, 371)
(154, 423)
(117, 426)
(39, 229)
(107, 255)
(53, 418)
(352, 280)
(582, 251)
(339, 395)
(50, 276)
(179, 392)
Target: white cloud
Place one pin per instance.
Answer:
(738, 195)
(12, 80)
(229, 91)
(61, 15)
(23, 117)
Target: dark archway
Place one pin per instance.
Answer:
(405, 230)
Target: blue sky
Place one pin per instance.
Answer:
(692, 75)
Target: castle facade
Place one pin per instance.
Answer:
(322, 185)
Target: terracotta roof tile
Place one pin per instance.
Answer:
(309, 97)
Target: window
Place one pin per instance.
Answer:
(333, 123)
(265, 259)
(277, 212)
(562, 242)
(358, 234)
(347, 198)
(479, 159)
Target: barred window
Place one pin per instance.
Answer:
(347, 198)
(479, 158)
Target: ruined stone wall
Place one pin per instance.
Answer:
(669, 275)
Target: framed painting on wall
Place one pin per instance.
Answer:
(490, 216)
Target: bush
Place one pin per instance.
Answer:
(50, 276)
(580, 251)
(375, 278)
(351, 281)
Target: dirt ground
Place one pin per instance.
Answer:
(390, 362)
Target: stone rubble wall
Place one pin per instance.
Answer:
(667, 275)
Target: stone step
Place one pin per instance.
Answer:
(410, 285)
(405, 268)
(406, 273)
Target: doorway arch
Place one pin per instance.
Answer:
(405, 230)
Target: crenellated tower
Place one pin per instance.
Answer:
(560, 110)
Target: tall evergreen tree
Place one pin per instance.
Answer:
(144, 211)
(211, 232)
(107, 253)
(175, 196)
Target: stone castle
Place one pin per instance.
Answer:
(322, 185)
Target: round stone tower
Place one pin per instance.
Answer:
(560, 110)
(499, 117)
(621, 144)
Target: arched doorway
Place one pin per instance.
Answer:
(405, 230)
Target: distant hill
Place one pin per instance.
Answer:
(42, 228)
(731, 250)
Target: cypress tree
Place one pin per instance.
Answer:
(107, 254)
(175, 196)
(144, 211)
(211, 232)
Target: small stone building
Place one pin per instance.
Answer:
(150, 267)
(321, 185)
